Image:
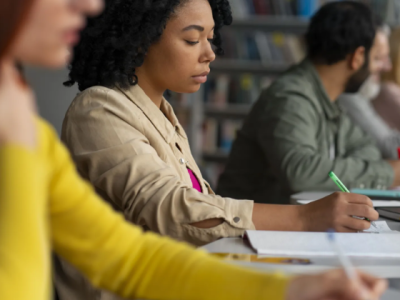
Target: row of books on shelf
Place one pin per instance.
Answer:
(242, 9)
(244, 89)
(261, 46)
(218, 136)
(217, 140)
(222, 90)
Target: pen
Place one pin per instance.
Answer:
(344, 259)
(398, 153)
(343, 188)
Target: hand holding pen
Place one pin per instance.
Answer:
(343, 188)
(367, 288)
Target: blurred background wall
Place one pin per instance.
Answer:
(52, 97)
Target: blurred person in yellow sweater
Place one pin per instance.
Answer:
(45, 205)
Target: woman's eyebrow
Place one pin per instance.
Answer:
(195, 27)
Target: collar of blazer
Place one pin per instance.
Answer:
(331, 109)
(163, 118)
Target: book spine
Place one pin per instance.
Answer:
(307, 8)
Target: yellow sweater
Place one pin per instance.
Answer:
(45, 205)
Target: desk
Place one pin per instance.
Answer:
(383, 267)
(308, 196)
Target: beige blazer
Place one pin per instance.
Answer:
(136, 155)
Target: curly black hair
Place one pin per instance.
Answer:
(338, 29)
(115, 43)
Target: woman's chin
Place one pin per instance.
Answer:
(52, 61)
(191, 89)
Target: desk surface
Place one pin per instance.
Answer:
(312, 195)
(383, 267)
(309, 196)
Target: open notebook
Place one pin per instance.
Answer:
(287, 243)
(376, 203)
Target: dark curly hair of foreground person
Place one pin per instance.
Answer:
(115, 43)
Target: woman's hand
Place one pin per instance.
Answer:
(335, 212)
(17, 108)
(335, 285)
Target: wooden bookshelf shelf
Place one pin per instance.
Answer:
(228, 111)
(216, 157)
(287, 24)
(179, 108)
(232, 66)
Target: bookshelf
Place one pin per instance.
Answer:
(258, 47)
(216, 157)
(231, 111)
(233, 66)
(288, 24)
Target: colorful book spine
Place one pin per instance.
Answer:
(307, 8)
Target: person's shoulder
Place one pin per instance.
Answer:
(95, 96)
(292, 93)
(390, 88)
(101, 99)
(294, 82)
(350, 102)
(47, 138)
(45, 129)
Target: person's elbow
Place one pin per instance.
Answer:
(303, 177)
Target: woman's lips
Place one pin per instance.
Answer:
(202, 78)
(72, 37)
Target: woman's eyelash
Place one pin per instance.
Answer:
(196, 42)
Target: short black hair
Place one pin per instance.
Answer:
(115, 43)
(338, 29)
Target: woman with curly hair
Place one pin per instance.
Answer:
(127, 141)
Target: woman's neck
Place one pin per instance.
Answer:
(151, 90)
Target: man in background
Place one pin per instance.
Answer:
(360, 109)
(296, 133)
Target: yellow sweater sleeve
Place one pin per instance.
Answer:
(119, 257)
(24, 240)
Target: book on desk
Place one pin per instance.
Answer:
(286, 243)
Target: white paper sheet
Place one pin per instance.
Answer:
(381, 227)
(288, 243)
(376, 203)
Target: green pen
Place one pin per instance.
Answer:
(344, 189)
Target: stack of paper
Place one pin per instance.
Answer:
(380, 227)
(376, 203)
(289, 243)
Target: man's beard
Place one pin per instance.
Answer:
(356, 81)
(370, 88)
